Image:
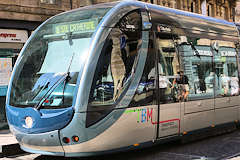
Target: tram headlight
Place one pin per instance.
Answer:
(28, 122)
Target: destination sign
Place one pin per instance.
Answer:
(76, 26)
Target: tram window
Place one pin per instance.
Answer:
(204, 77)
(234, 81)
(116, 66)
(228, 82)
(168, 66)
(210, 70)
(145, 93)
(197, 62)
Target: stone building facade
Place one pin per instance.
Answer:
(222, 9)
(29, 10)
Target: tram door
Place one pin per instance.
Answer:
(168, 100)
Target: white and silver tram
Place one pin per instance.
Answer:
(105, 78)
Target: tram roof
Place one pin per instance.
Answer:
(191, 23)
(188, 14)
(154, 7)
(182, 19)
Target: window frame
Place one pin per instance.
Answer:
(104, 110)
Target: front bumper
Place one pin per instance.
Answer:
(43, 143)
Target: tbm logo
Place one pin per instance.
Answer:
(145, 114)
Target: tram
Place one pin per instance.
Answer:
(123, 75)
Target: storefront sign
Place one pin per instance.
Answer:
(203, 53)
(12, 35)
(222, 53)
(228, 54)
(164, 29)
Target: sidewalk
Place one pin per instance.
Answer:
(6, 138)
(8, 144)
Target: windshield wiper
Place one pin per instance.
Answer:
(65, 78)
(48, 93)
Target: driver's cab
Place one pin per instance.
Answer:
(117, 65)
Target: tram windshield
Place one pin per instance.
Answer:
(48, 69)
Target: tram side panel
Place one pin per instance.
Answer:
(120, 111)
(198, 113)
(170, 120)
(198, 110)
(206, 68)
(134, 126)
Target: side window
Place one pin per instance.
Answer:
(146, 91)
(115, 67)
(226, 67)
(197, 64)
(168, 66)
(211, 67)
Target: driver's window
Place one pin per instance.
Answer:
(168, 66)
(116, 62)
(116, 66)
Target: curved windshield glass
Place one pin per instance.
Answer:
(48, 69)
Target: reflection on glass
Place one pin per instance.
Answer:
(146, 89)
(228, 74)
(197, 62)
(168, 67)
(234, 85)
(117, 62)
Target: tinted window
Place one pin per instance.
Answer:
(197, 64)
(115, 68)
